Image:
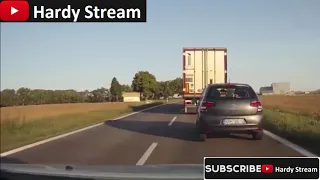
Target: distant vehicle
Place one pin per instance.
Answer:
(201, 66)
(229, 108)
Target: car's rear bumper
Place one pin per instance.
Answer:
(239, 128)
(214, 123)
(212, 120)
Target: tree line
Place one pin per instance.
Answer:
(143, 82)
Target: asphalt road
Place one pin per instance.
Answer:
(163, 135)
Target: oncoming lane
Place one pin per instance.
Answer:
(116, 142)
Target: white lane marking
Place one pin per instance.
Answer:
(290, 144)
(72, 132)
(171, 122)
(146, 155)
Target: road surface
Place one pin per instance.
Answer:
(163, 135)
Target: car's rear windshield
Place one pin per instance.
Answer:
(230, 92)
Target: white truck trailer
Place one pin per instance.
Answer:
(201, 66)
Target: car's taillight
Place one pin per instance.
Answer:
(205, 105)
(187, 102)
(256, 104)
(208, 104)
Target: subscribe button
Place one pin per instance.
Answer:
(261, 168)
(14, 10)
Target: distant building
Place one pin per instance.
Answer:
(266, 90)
(276, 88)
(131, 97)
(281, 88)
(176, 96)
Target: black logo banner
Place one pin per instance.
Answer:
(261, 168)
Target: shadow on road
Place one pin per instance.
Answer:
(144, 106)
(174, 108)
(179, 130)
(11, 160)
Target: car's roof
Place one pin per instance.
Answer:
(228, 84)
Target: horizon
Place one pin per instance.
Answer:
(81, 90)
(267, 42)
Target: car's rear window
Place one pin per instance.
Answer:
(230, 92)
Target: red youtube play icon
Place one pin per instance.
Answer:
(14, 10)
(267, 168)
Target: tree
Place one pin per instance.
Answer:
(99, 95)
(126, 88)
(23, 95)
(8, 98)
(164, 90)
(176, 86)
(167, 89)
(115, 88)
(145, 83)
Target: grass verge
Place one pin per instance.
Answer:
(18, 133)
(311, 114)
(300, 129)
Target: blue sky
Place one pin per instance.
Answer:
(267, 41)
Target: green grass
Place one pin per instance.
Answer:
(300, 129)
(18, 133)
(313, 115)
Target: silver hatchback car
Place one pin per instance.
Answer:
(229, 108)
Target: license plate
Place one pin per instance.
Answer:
(233, 121)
